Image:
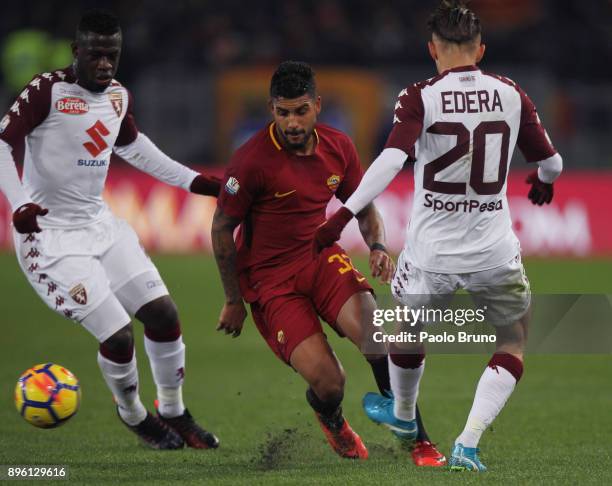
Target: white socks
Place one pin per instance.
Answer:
(494, 388)
(405, 388)
(122, 379)
(168, 366)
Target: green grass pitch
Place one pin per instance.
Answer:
(556, 428)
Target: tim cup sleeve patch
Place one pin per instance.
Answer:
(240, 185)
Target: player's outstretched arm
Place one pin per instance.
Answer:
(233, 313)
(143, 154)
(25, 212)
(376, 179)
(373, 231)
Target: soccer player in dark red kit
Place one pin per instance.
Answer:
(277, 188)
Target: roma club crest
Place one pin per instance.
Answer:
(116, 100)
(333, 182)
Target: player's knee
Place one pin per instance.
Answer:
(513, 338)
(159, 314)
(120, 346)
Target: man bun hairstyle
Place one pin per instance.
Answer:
(293, 79)
(99, 21)
(453, 22)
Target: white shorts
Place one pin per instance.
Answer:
(502, 291)
(99, 269)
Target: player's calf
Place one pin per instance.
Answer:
(406, 369)
(117, 362)
(166, 351)
(494, 388)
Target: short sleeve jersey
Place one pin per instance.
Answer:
(462, 127)
(281, 199)
(69, 135)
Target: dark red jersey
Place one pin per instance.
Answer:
(281, 199)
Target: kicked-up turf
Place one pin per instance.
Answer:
(556, 428)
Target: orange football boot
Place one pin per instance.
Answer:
(345, 441)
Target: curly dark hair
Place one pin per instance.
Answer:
(293, 79)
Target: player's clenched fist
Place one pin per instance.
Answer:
(540, 192)
(329, 232)
(381, 265)
(232, 318)
(24, 218)
(206, 185)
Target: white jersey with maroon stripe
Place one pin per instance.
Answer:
(69, 136)
(462, 127)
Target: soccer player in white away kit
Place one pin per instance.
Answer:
(461, 127)
(82, 261)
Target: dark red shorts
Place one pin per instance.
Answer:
(292, 313)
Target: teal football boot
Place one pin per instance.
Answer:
(379, 409)
(466, 459)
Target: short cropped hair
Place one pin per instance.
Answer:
(293, 79)
(99, 21)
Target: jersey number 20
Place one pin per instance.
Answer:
(478, 158)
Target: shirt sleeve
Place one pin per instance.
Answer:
(407, 120)
(143, 154)
(28, 111)
(378, 176)
(10, 184)
(128, 130)
(353, 174)
(533, 141)
(242, 183)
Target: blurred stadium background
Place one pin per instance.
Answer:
(199, 72)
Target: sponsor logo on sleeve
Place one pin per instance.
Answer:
(72, 106)
(151, 284)
(116, 99)
(333, 181)
(232, 186)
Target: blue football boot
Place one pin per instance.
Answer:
(466, 459)
(380, 410)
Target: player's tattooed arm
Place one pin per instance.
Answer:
(373, 231)
(371, 225)
(233, 313)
